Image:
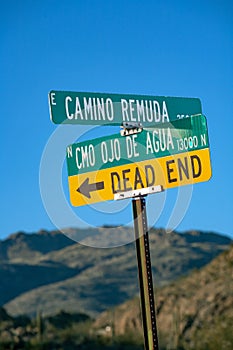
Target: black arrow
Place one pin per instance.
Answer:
(85, 188)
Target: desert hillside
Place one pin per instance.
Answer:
(47, 271)
(192, 310)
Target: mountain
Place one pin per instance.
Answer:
(192, 311)
(49, 272)
(21, 268)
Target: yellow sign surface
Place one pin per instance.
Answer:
(171, 171)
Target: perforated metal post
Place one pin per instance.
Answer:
(145, 274)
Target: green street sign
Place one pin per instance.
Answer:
(116, 109)
(106, 152)
(170, 156)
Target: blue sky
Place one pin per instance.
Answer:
(167, 48)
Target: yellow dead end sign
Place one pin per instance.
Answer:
(171, 171)
(171, 157)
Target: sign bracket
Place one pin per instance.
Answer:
(129, 128)
(138, 193)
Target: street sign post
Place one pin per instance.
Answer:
(114, 109)
(171, 156)
(145, 274)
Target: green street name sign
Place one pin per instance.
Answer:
(116, 109)
(180, 136)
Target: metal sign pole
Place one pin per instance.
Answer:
(145, 274)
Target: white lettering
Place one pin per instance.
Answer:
(104, 152)
(69, 152)
(156, 142)
(149, 147)
(94, 109)
(140, 110)
(78, 110)
(187, 143)
(165, 112)
(161, 141)
(78, 164)
(88, 108)
(68, 99)
(149, 112)
(157, 113)
(169, 140)
(110, 151)
(124, 110)
(131, 146)
(131, 110)
(117, 149)
(100, 108)
(91, 154)
(109, 109)
(144, 111)
(203, 140)
(53, 102)
(85, 156)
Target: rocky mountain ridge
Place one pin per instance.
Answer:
(50, 272)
